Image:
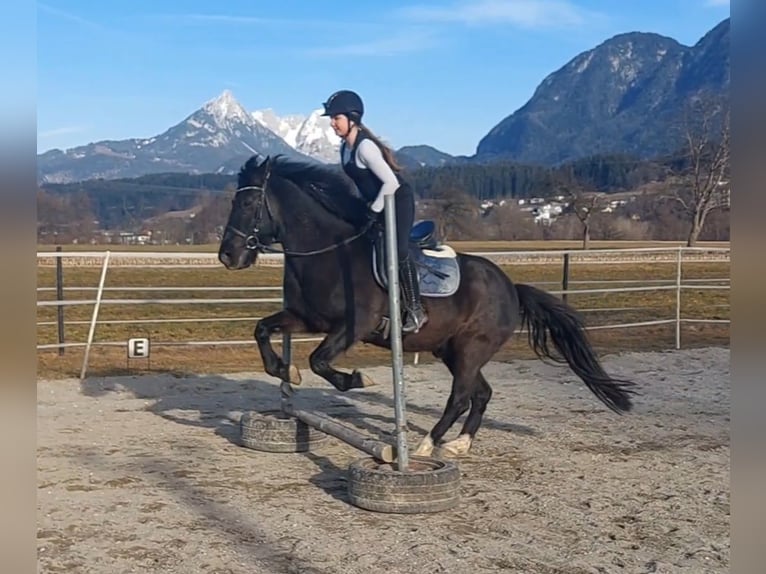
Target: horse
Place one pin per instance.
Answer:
(333, 286)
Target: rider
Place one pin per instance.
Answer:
(372, 166)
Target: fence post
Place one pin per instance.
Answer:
(94, 318)
(565, 278)
(679, 259)
(60, 299)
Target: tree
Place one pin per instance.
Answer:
(509, 223)
(584, 205)
(454, 212)
(706, 163)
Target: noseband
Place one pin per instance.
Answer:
(253, 242)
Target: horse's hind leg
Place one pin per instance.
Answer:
(479, 400)
(337, 341)
(464, 358)
(464, 371)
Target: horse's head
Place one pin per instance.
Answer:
(251, 223)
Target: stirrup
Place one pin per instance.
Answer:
(411, 324)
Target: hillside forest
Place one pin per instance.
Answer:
(682, 197)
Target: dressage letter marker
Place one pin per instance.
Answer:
(138, 348)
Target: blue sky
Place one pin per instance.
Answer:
(436, 72)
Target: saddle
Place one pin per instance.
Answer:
(436, 263)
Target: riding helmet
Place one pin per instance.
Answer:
(344, 102)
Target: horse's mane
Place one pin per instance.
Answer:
(329, 186)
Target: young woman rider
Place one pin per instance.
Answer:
(372, 167)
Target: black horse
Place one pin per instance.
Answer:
(331, 287)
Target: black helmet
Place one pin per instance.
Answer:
(344, 102)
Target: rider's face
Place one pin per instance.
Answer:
(340, 124)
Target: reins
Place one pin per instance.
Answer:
(253, 242)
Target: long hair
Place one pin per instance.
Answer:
(388, 153)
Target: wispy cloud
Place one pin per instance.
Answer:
(717, 3)
(522, 13)
(403, 42)
(84, 22)
(62, 131)
(193, 19)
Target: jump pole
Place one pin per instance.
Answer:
(375, 448)
(380, 450)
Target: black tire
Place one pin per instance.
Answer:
(274, 431)
(429, 485)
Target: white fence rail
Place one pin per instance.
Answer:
(108, 259)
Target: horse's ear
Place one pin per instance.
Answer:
(267, 165)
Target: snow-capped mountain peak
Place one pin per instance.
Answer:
(317, 138)
(310, 135)
(285, 127)
(225, 108)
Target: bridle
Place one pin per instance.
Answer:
(253, 242)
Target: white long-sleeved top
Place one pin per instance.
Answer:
(369, 156)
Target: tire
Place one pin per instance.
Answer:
(274, 431)
(429, 485)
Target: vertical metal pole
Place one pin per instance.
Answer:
(678, 297)
(565, 277)
(284, 387)
(95, 315)
(287, 348)
(60, 298)
(285, 390)
(402, 455)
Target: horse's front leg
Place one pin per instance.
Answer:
(284, 322)
(337, 341)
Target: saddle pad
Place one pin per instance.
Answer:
(438, 272)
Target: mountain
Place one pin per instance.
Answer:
(415, 156)
(310, 135)
(313, 136)
(624, 96)
(218, 137)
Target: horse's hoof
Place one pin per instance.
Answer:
(364, 380)
(426, 447)
(455, 448)
(294, 375)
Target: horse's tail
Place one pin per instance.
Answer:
(542, 315)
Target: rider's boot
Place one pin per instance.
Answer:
(416, 315)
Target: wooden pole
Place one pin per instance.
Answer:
(379, 450)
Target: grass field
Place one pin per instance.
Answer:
(218, 321)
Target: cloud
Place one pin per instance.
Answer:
(62, 131)
(410, 41)
(237, 20)
(521, 13)
(84, 22)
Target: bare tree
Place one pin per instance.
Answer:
(509, 223)
(706, 163)
(455, 214)
(584, 205)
